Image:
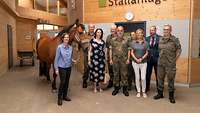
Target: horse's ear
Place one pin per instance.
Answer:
(77, 22)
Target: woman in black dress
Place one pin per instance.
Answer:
(96, 59)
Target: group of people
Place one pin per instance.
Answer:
(128, 58)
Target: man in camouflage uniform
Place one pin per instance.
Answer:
(118, 57)
(110, 67)
(85, 45)
(169, 52)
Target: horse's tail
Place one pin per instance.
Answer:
(37, 44)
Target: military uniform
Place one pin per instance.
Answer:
(168, 50)
(119, 49)
(110, 67)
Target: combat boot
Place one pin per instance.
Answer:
(116, 90)
(159, 95)
(66, 98)
(59, 101)
(171, 97)
(125, 91)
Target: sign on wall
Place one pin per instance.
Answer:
(110, 3)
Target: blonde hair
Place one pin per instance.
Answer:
(140, 29)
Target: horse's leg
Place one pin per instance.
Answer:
(47, 69)
(54, 80)
(41, 68)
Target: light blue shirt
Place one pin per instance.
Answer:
(63, 57)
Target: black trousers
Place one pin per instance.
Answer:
(151, 63)
(86, 67)
(131, 74)
(64, 74)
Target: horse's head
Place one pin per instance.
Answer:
(77, 31)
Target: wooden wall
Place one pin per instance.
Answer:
(26, 34)
(195, 41)
(76, 13)
(10, 3)
(196, 9)
(25, 3)
(168, 9)
(6, 19)
(23, 22)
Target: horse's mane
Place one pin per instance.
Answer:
(67, 29)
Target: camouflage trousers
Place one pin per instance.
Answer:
(168, 71)
(120, 72)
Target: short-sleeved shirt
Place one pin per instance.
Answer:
(139, 49)
(130, 43)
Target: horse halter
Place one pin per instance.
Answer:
(77, 36)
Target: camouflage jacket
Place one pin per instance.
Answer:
(108, 39)
(119, 47)
(168, 49)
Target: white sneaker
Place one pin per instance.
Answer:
(138, 95)
(144, 95)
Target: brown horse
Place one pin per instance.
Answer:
(46, 49)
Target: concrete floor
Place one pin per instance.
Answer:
(22, 91)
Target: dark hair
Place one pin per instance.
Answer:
(63, 35)
(95, 33)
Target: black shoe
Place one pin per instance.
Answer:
(67, 98)
(115, 92)
(59, 102)
(147, 89)
(171, 98)
(110, 84)
(159, 95)
(84, 84)
(125, 91)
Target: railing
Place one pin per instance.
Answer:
(49, 18)
(58, 7)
